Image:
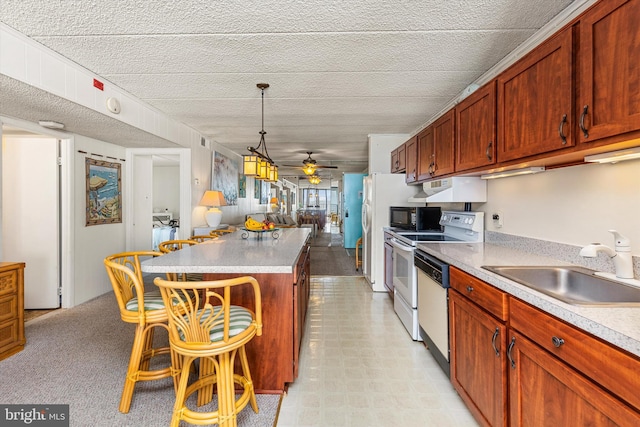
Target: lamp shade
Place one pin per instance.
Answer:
(214, 199)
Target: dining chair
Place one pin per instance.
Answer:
(174, 245)
(145, 309)
(210, 329)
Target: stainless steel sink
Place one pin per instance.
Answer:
(573, 285)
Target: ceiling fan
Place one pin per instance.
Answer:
(310, 165)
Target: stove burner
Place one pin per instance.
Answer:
(430, 238)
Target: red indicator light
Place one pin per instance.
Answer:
(98, 84)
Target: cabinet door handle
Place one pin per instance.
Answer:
(585, 132)
(493, 341)
(488, 151)
(557, 342)
(561, 130)
(511, 344)
(469, 288)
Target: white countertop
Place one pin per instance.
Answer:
(259, 253)
(619, 326)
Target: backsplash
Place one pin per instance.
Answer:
(559, 251)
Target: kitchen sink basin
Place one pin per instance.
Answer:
(573, 285)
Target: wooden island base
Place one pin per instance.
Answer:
(273, 357)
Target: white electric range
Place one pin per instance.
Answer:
(457, 227)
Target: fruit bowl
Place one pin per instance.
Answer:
(275, 233)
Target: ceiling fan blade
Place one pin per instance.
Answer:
(326, 167)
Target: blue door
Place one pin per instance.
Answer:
(353, 197)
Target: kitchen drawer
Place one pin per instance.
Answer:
(612, 368)
(8, 308)
(8, 282)
(486, 296)
(8, 335)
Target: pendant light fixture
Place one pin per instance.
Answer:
(258, 164)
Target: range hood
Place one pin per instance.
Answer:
(456, 189)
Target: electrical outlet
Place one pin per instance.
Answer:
(498, 219)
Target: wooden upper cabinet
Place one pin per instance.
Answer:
(476, 129)
(398, 159)
(436, 148)
(411, 156)
(535, 101)
(444, 143)
(425, 153)
(609, 92)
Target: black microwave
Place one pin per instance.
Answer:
(415, 218)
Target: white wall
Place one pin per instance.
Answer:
(166, 189)
(380, 148)
(92, 244)
(574, 205)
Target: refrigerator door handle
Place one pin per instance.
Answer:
(365, 220)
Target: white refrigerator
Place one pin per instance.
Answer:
(381, 190)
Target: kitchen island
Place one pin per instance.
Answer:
(282, 267)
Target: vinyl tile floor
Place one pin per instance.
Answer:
(359, 366)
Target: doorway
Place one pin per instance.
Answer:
(31, 206)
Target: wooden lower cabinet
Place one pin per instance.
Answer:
(544, 391)
(524, 367)
(478, 362)
(12, 338)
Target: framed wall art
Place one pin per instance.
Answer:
(242, 187)
(104, 192)
(225, 177)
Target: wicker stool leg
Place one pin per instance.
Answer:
(133, 369)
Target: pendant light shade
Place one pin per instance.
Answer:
(258, 163)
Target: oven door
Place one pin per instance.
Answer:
(404, 274)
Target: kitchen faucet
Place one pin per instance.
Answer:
(621, 257)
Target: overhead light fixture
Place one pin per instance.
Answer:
(50, 124)
(514, 172)
(309, 169)
(614, 156)
(315, 179)
(213, 199)
(258, 164)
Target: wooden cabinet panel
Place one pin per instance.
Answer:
(398, 160)
(411, 156)
(476, 129)
(444, 143)
(609, 70)
(12, 337)
(543, 391)
(486, 296)
(535, 101)
(478, 363)
(425, 154)
(610, 367)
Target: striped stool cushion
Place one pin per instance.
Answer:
(152, 301)
(239, 320)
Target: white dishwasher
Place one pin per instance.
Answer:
(433, 305)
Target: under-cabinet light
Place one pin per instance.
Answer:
(614, 156)
(514, 172)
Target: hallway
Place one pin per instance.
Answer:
(359, 367)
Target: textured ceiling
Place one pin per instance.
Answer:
(339, 70)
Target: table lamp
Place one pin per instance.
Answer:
(213, 199)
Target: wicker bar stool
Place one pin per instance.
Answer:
(146, 310)
(203, 237)
(358, 258)
(209, 328)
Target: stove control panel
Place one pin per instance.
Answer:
(473, 221)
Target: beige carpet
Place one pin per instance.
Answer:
(79, 357)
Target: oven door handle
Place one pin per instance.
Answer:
(398, 245)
